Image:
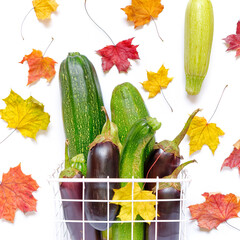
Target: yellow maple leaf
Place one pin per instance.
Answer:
(142, 11)
(145, 209)
(44, 8)
(201, 132)
(156, 81)
(25, 115)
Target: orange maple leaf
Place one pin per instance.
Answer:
(142, 11)
(216, 209)
(39, 66)
(16, 193)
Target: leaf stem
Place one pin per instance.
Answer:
(24, 21)
(8, 136)
(166, 99)
(232, 226)
(48, 47)
(218, 104)
(85, 6)
(156, 28)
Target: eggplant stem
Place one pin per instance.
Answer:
(176, 172)
(107, 126)
(105, 111)
(177, 140)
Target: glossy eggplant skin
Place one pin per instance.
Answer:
(168, 211)
(167, 162)
(73, 211)
(103, 161)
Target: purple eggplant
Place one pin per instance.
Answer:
(163, 160)
(73, 210)
(102, 162)
(168, 210)
(160, 164)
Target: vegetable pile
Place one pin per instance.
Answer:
(125, 148)
(121, 144)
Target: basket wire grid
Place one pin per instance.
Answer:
(60, 223)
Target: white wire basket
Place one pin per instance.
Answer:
(62, 232)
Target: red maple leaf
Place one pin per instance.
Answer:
(39, 66)
(16, 193)
(216, 209)
(118, 55)
(234, 158)
(233, 41)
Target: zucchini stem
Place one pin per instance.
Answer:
(193, 84)
(153, 123)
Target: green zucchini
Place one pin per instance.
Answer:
(81, 103)
(132, 164)
(127, 106)
(132, 157)
(198, 38)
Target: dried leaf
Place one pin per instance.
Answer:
(27, 116)
(44, 8)
(234, 159)
(142, 11)
(237, 144)
(216, 209)
(145, 209)
(16, 193)
(118, 55)
(156, 81)
(201, 132)
(39, 66)
(233, 41)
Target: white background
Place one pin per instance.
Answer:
(73, 31)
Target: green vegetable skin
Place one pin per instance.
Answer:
(199, 23)
(127, 106)
(81, 103)
(132, 164)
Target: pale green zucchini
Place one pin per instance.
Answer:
(199, 24)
